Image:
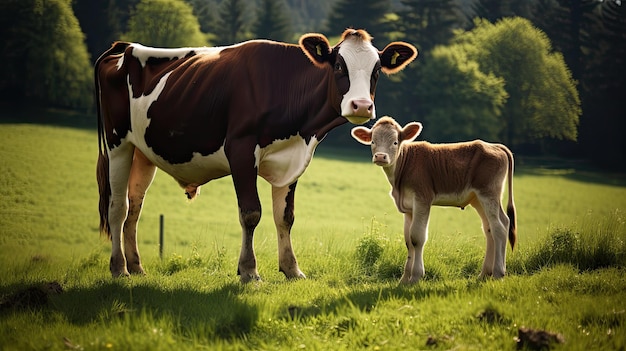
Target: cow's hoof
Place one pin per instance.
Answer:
(117, 267)
(135, 268)
(120, 274)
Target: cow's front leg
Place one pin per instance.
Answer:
(244, 174)
(283, 203)
(141, 175)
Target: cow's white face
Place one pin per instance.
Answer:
(356, 65)
(361, 62)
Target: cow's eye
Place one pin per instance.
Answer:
(338, 67)
(395, 143)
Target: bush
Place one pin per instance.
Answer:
(594, 245)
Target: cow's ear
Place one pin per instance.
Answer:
(410, 131)
(396, 56)
(362, 134)
(317, 48)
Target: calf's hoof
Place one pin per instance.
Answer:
(292, 274)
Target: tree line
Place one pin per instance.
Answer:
(543, 76)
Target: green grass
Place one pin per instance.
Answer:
(567, 275)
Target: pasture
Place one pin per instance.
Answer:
(566, 276)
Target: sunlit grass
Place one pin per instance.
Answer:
(566, 275)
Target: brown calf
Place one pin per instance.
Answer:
(460, 174)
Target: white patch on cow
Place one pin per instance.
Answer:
(282, 162)
(198, 171)
(143, 53)
(360, 57)
(120, 62)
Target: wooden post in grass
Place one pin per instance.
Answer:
(161, 236)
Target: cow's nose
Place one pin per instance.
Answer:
(380, 157)
(362, 107)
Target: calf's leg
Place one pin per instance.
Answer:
(415, 236)
(487, 269)
(498, 224)
(142, 173)
(408, 266)
(283, 203)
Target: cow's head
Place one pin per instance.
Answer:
(357, 65)
(385, 138)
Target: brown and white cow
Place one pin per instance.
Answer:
(255, 108)
(460, 174)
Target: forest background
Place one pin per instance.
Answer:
(546, 77)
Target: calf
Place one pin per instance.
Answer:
(423, 174)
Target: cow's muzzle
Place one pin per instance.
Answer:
(381, 159)
(361, 111)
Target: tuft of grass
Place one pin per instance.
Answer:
(592, 245)
(376, 255)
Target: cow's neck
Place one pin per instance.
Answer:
(323, 116)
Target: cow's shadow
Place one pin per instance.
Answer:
(218, 311)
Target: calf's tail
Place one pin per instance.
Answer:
(510, 206)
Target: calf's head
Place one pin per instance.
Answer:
(356, 64)
(386, 138)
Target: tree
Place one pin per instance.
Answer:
(164, 23)
(425, 24)
(364, 14)
(273, 21)
(429, 22)
(491, 10)
(543, 100)
(43, 56)
(232, 22)
(460, 102)
(604, 81)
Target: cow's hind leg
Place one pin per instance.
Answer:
(283, 203)
(141, 175)
(120, 160)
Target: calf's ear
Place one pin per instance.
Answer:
(396, 56)
(410, 131)
(317, 48)
(362, 134)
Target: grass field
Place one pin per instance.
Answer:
(56, 293)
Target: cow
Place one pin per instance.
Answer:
(422, 175)
(257, 108)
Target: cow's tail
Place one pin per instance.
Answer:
(510, 206)
(102, 167)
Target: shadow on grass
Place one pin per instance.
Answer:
(366, 299)
(578, 170)
(213, 313)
